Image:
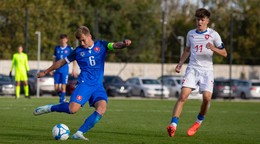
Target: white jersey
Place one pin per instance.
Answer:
(200, 55)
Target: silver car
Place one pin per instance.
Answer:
(249, 89)
(174, 85)
(147, 87)
(46, 83)
(7, 85)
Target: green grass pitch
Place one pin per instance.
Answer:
(131, 121)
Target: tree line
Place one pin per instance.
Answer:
(237, 21)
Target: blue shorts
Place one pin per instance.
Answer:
(60, 78)
(88, 93)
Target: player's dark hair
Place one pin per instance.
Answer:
(202, 13)
(62, 36)
(82, 30)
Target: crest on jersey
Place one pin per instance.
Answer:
(97, 49)
(79, 97)
(82, 54)
(207, 36)
(66, 51)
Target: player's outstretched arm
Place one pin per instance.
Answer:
(123, 44)
(54, 66)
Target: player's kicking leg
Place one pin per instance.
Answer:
(61, 107)
(79, 136)
(42, 110)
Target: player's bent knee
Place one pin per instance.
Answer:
(73, 110)
(101, 110)
(207, 98)
(101, 107)
(74, 107)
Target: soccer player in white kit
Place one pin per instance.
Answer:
(201, 44)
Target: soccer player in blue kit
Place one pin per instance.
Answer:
(61, 74)
(90, 56)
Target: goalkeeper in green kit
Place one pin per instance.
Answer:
(20, 64)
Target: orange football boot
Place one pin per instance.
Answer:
(193, 129)
(171, 130)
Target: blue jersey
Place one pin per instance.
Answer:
(91, 62)
(60, 53)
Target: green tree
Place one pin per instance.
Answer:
(139, 20)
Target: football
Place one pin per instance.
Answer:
(60, 132)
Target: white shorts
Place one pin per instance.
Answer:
(201, 79)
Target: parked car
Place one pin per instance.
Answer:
(249, 89)
(7, 85)
(147, 87)
(174, 85)
(71, 85)
(222, 88)
(115, 86)
(46, 83)
(170, 76)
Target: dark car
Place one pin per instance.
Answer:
(7, 85)
(222, 88)
(72, 82)
(115, 86)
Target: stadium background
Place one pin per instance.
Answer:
(126, 70)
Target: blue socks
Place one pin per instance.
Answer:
(90, 122)
(62, 107)
(200, 118)
(62, 96)
(174, 121)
